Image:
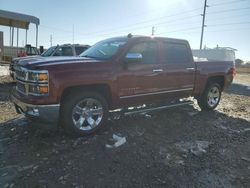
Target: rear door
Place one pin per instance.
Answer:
(178, 67)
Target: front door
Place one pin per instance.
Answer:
(140, 82)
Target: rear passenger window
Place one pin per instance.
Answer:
(64, 51)
(175, 53)
(148, 50)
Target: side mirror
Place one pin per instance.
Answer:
(133, 57)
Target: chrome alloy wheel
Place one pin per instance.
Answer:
(87, 114)
(213, 96)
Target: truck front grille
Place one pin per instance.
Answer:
(21, 87)
(20, 74)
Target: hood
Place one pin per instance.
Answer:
(22, 58)
(38, 61)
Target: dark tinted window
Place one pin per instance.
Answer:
(80, 49)
(64, 51)
(148, 50)
(176, 53)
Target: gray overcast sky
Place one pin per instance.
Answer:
(228, 21)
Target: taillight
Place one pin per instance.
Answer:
(232, 71)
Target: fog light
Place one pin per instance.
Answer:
(43, 89)
(33, 112)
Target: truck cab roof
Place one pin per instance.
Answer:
(144, 37)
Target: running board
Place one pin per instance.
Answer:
(156, 108)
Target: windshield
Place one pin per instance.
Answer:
(104, 49)
(49, 52)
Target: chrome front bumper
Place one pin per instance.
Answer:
(42, 113)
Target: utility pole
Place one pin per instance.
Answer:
(153, 31)
(10, 35)
(50, 40)
(73, 34)
(203, 22)
(26, 36)
(17, 37)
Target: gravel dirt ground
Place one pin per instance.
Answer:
(179, 147)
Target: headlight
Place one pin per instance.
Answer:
(38, 89)
(32, 82)
(38, 76)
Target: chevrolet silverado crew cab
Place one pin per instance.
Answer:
(117, 73)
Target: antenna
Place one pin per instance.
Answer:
(153, 31)
(50, 40)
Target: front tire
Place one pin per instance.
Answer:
(84, 113)
(210, 98)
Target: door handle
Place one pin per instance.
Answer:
(190, 69)
(157, 70)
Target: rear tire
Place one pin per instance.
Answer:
(210, 98)
(84, 113)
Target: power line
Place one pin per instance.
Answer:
(238, 29)
(129, 29)
(169, 22)
(120, 29)
(143, 27)
(226, 18)
(226, 3)
(191, 28)
(153, 10)
(135, 25)
(187, 30)
(204, 16)
(228, 10)
(126, 26)
(149, 26)
(184, 31)
(140, 25)
(213, 31)
(236, 23)
(149, 21)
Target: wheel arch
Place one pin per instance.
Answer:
(216, 79)
(102, 89)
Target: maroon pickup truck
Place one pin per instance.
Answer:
(116, 73)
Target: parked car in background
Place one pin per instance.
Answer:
(28, 51)
(65, 50)
(150, 72)
(59, 50)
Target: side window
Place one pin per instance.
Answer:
(33, 51)
(175, 53)
(64, 51)
(148, 50)
(80, 49)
